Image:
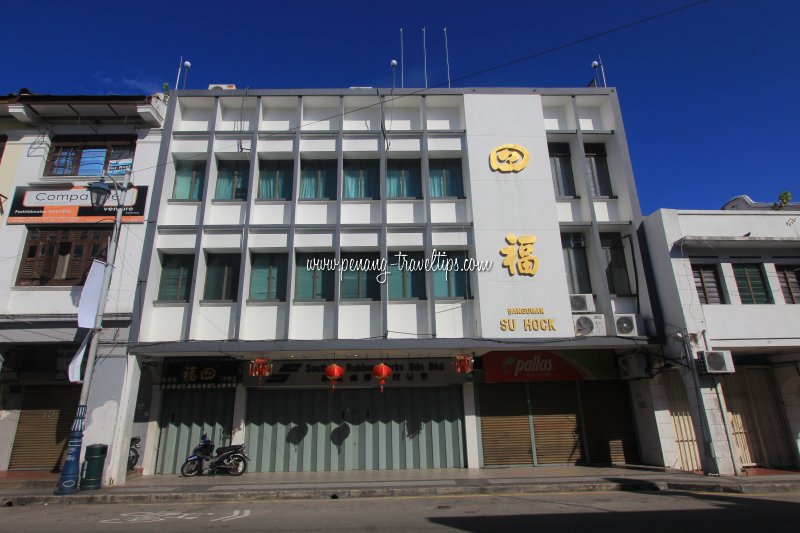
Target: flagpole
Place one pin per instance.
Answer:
(68, 482)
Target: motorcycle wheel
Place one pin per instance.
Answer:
(133, 458)
(191, 468)
(237, 464)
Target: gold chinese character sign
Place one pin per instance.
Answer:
(509, 158)
(519, 258)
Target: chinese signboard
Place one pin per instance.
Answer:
(509, 158)
(72, 205)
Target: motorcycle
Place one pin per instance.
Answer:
(229, 459)
(133, 454)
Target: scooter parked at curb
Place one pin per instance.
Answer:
(229, 459)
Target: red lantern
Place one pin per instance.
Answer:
(334, 372)
(463, 363)
(381, 373)
(260, 367)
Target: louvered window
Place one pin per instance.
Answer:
(752, 285)
(706, 281)
(60, 256)
(789, 277)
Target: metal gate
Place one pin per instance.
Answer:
(682, 424)
(302, 430)
(44, 426)
(754, 412)
(185, 416)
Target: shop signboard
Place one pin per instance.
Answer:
(534, 365)
(72, 205)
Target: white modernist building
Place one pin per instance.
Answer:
(263, 197)
(729, 285)
(54, 146)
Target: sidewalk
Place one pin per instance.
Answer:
(393, 483)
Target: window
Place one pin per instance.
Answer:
(360, 282)
(445, 178)
(86, 157)
(176, 277)
(56, 256)
(789, 277)
(706, 281)
(275, 180)
(268, 277)
(189, 179)
(751, 283)
(616, 265)
(232, 180)
(403, 178)
(315, 283)
(361, 179)
(574, 249)
(561, 168)
(318, 179)
(597, 167)
(452, 284)
(222, 277)
(408, 282)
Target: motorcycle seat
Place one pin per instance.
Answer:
(225, 449)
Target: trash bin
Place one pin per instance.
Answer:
(92, 474)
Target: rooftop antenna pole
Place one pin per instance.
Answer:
(602, 70)
(186, 66)
(178, 78)
(596, 79)
(425, 57)
(394, 73)
(447, 56)
(402, 63)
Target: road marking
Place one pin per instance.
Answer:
(234, 516)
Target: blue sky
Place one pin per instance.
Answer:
(708, 94)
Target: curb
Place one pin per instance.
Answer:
(110, 497)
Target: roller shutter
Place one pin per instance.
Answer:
(45, 421)
(505, 424)
(608, 422)
(555, 423)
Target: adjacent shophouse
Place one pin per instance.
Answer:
(290, 231)
(54, 146)
(728, 396)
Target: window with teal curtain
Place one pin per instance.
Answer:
(232, 180)
(597, 166)
(176, 277)
(752, 286)
(452, 284)
(406, 284)
(318, 179)
(315, 284)
(222, 277)
(561, 168)
(361, 179)
(360, 283)
(268, 277)
(189, 179)
(403, 178)
(275, 179)
(445, 178)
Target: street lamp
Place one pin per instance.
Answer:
(99, 192)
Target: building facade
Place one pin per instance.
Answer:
(54, 146)
(729, 284)
(320, 227)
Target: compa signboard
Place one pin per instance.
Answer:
(47, 205)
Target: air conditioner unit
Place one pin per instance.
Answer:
(581, 303)
(627, 325)
(720, 362)
(222, 86)
(589, 325)
(632, 366)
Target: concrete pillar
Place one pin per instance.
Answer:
(151, 446)
(471, 436)
(117, 466)
(239, 406)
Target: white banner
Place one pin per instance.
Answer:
(74, 370)
(90, 295)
